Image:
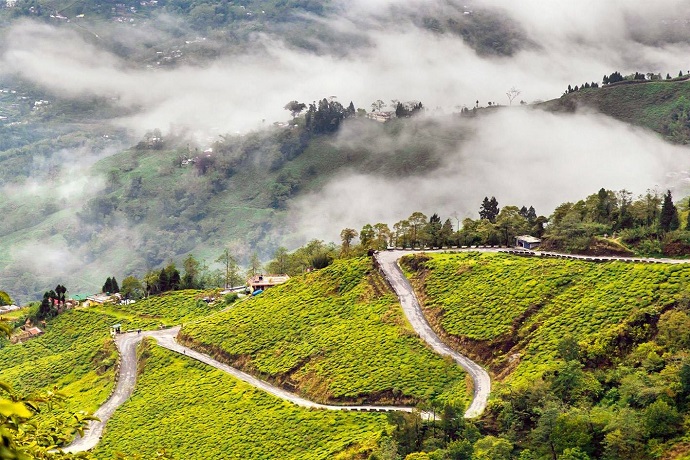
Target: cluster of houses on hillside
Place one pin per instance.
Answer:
(8, 308)
(259, 283)
(26, 332)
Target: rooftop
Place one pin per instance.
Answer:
(528, 239)
(263, 280)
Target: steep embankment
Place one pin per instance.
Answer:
(335, 335)
(511, 312)
(662, 106)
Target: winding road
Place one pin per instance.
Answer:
(388, 262)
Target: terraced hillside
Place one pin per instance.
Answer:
(196, 412)
(76, 354)
(512, 312)
(335, 335)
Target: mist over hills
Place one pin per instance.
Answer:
(80, 202)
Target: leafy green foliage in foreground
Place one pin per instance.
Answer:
(76, 356)
(335, 334)
(197, 412)
(23, 437)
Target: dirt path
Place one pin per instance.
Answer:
(127, 347)
(388, 261)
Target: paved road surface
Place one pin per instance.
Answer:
(482, 382)
(388, 260)
(127, 344)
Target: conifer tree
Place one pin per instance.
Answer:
(489, 209)
(669, 214)
(107, 286)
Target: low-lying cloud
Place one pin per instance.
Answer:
(565, 43)
(521, 156)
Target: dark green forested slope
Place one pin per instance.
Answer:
(153, 208)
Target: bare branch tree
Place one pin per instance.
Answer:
(512, 94)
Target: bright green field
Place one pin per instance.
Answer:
(486, 296)
(337, 334)
(170, 308)
(197, 412)
(76, 355)
(77, 343)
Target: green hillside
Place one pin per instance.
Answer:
(592, 357)
(502, 305)
(76, 354)
(169, 308)
(153, 208)
(335, 335)
(196, 412)
(662, 106)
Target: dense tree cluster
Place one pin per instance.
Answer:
(51, 302)
(314, 255)
(110, 286)
(325, 116)
(582, 86)
(167, 279)
(615, 77)
(407, 109)
(495, 226)
(650, 224)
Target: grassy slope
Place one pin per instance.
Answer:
(651, 105)
(500, 305)
(76, 355)
(196, 412)
(169, 308)
(337, 334)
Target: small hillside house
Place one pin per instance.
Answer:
(264, 282)
(527, 242)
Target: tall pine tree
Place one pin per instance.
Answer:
(669, 214)
(107, 286)
(489, 209)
